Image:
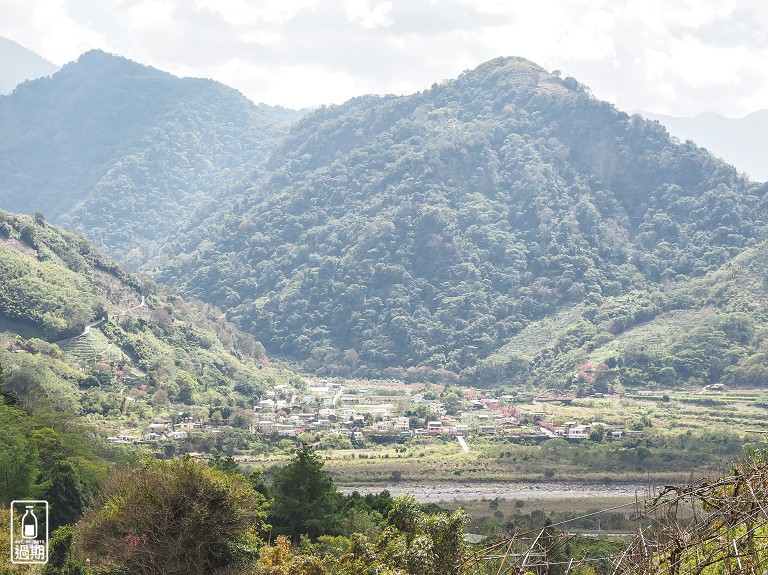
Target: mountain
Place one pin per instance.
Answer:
(18, 64)
(742, 142)
(97, 338)
(421, 235)
(123, 152)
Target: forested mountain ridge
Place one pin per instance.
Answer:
(425, 231)
(122, 152)
(79, 336)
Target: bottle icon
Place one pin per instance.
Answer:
(29, 524)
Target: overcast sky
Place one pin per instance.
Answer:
(681, 57)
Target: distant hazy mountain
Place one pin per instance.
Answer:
(124, 153)
(18, 64)
(742, 142)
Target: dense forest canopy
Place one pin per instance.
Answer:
(426, 231)
(123, 152)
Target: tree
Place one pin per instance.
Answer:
(226, 464)
(65, 493)
(305, 498)
(597, 433)
(171, 517)
(413, 543)
(335, 441)
(188, 387)
(19, 462)
(160, 397)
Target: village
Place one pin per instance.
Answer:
(383, 412)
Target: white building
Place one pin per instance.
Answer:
(437, 408)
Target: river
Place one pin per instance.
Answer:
(470, 491)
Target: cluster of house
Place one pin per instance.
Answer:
(574, 431)
(283, 419)
(158, 432)
(327, 407)
(286, 414)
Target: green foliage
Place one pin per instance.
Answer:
(412, 543)
(19, 462)
(59, 548)
(424, 544)
(188, 387)
(45, 454)
(305, 498)
(47, 291)
(225, 464)
(138, 338)
(41, 382)
(335, 441)
(65, 493)
(172, 517)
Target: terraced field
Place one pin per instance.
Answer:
(90, 348)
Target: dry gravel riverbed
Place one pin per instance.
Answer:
(468, 491)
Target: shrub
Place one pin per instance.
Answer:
(171, 517)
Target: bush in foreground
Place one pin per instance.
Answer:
(174, 517)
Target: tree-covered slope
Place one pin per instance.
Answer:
(428, 230)
(698, 331)
(123, 152)
(88, 335)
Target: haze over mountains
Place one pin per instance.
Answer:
(18, 64)
(425, 231)
(432, 235)
(742, 142)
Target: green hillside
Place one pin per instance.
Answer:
(427, 231)
(123, 152)
(89, 335)
(699, 331)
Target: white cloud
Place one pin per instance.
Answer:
(369, 16)
(679, 56)
(591, 39)
(151, 14)
(248, 12)
(47, 27)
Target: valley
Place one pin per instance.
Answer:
(499, 293)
